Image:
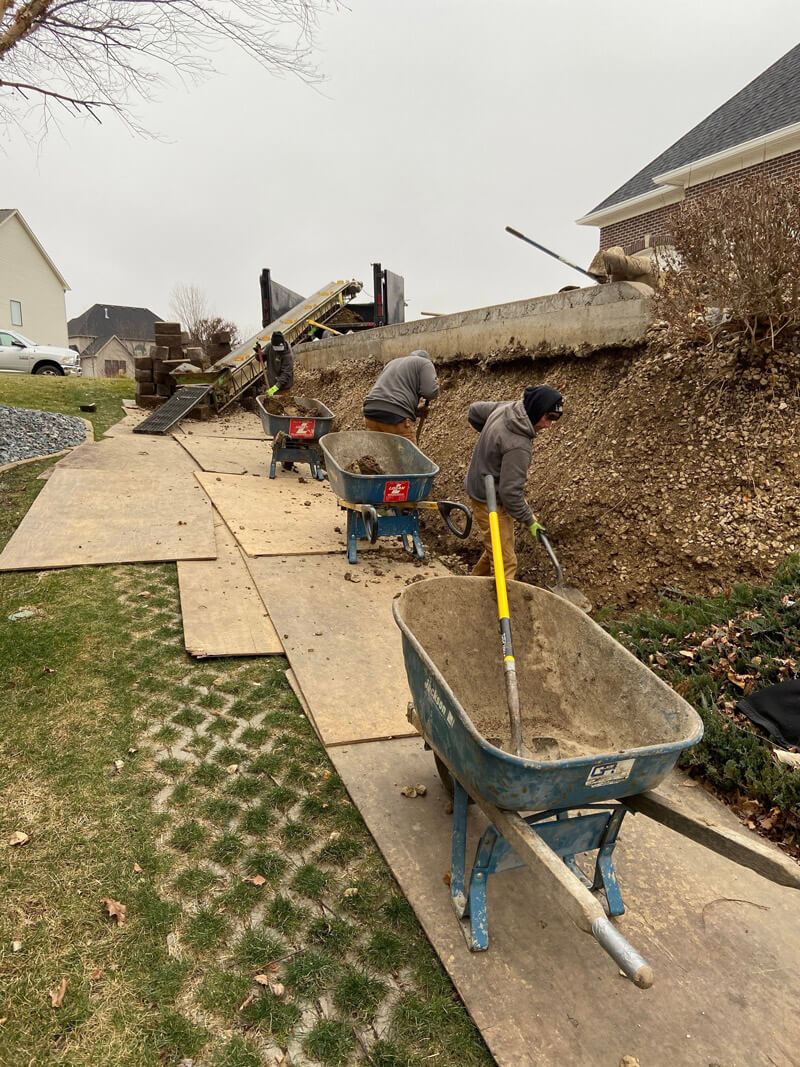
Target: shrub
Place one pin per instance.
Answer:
(736, 267)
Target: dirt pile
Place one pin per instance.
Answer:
(365, 465)
(669, 468)
(290, 405)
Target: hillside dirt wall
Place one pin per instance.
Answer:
(668, 470)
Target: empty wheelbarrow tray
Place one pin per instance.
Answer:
(386, 505)
(301, 434)
(575, 680)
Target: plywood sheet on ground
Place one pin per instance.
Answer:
(230, 455)
(277, 516)
(240, 424)
(133, 417)
(223, 615)
(722, 941)
(90, 516)
(130, 454)
(294, 685)
(341, 639)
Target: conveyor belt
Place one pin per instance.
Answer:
(176, 408)
(241, 368)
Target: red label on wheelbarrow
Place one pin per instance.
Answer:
(301, 427)
(608, 773)
(395, 492)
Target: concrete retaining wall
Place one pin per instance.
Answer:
(578, 322)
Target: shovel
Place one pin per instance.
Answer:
(423, 414)
(566, 592)
(541, 748)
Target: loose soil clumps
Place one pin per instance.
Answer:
(365, 465)
(290, 405)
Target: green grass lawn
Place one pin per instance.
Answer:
(196, 795)
(65, 395)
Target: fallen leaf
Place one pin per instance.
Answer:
(16, 946)
(118, 765)
(276, 989)
(248, 1000)
(351, 891)
(262, 979)
(219, 680)
(144, 593)
(690, 783)
(413, 791)
(257, 879)
(421, 790)
(447, 877)
(232, 768)
(19, 838)
(48, 670)
(115, 909)
(137, 869)
(4, 1020)
(57, 995)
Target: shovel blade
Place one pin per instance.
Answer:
(572, 596)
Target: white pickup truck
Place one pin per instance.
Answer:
(20, 355)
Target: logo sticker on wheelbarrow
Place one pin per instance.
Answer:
(395, 492)
(608, 773)
(301, 427)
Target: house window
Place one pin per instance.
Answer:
(115, 368)
(16, 313)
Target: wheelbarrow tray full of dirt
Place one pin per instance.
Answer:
(409, 473)
(619, 731)
(305, 427)
(385, 504)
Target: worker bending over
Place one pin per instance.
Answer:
(280, 365)
(392, 403)
(503, 449)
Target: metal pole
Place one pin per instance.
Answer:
(595, 277)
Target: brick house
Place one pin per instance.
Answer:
(757, 132)
(110, 336)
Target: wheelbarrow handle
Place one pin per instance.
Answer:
(370, 517)
(446, 507)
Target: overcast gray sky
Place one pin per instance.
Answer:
(439, 122)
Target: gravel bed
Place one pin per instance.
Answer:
(26, 434)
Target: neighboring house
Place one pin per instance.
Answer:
(109, 337)
(31, 286)
(757, 132)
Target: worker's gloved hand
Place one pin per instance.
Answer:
(536, 530)
(272, 390)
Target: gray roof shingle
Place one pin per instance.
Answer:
(770, 102)
(105, 320)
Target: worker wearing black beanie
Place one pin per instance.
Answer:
(504, 450)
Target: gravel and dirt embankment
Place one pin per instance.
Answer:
(670, 469)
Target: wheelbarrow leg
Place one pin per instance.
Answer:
(481, 869)
(459, 856)
(352, 536)
(605, 877)
(273, 465)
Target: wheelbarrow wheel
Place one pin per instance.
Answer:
(446, 777)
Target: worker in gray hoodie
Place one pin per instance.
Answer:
(391, 405)
(504, 449)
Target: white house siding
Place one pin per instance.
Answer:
(113, 350)
(26, 276)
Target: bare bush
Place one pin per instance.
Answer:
(736, 266)
(189, 305)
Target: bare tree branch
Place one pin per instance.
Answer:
(105, 54)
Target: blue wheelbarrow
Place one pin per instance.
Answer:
(600, 731)
(386, 505)
(296, 437)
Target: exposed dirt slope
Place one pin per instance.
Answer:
(669, 469)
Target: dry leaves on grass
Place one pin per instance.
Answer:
(19, 838)
(115, 909)
(256, 880)
(57, 995)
